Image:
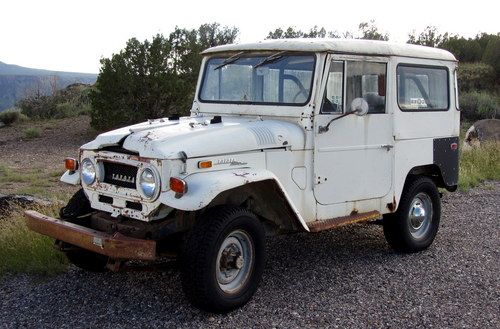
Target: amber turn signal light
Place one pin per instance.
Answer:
(71, 164)
(178, 185)
(205, 164)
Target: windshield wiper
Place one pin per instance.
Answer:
(229, 60)
(271, 59)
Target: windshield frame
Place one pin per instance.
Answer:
(263, 54)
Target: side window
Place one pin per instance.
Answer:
(366, 80)
(333, 99)
(422, 88)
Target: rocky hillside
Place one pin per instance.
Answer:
(17, 82)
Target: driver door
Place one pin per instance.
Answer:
(353, 159)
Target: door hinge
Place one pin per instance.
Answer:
(387, 147)
(318, 179)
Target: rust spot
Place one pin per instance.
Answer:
(114, 245)
(392, 206)
(321, 225)
(354, 212)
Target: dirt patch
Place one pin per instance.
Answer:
(31, 160)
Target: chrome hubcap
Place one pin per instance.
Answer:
(420, 215)
(234, 261)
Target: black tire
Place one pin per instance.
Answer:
(202, 261)
(79, 206)
(401, 229)
(87, 260)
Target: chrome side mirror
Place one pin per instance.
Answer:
(359, 106)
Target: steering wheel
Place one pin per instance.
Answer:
(299, 84)
(304, 92)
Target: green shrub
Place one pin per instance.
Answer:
(38, 107)
(154, 78)
(9, 117)
(479, 105)
(491, 53)
(69, 102)
(476, 76)
(32, 132)
(85, 109)
(64, 110)
(23, 117)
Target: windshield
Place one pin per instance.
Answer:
(280, 79)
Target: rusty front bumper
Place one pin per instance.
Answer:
(115, 246)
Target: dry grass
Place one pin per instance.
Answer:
(22, 250)
(478, 165)
(31, 181)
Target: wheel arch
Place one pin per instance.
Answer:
(249, 188)
(434, 172)
(266, 200)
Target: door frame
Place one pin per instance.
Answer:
(322, 119)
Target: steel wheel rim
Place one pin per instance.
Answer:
(235, 260)
(420, 215)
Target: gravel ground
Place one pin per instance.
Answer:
(342, 278)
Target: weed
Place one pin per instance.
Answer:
(31, 133)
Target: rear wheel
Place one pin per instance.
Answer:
(223, 259)
(416, 222)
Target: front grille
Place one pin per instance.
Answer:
(120, 174)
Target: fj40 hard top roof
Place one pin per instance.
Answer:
(340, 46)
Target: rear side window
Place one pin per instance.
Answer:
(422, 88)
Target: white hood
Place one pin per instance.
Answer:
(196, 136)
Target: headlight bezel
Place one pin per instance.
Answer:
(86, 176)
(156, 179)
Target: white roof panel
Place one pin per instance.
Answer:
(348, 46)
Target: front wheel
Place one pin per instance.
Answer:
(223, 259)
(77, 207)
(415, 224)
(87, 260)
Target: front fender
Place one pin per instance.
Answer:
(71, 177)
(204, 187)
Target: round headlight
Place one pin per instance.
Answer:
(88, 171)
(147, 183)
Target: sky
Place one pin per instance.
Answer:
(67, 35)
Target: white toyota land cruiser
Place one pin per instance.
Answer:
(284, 136)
